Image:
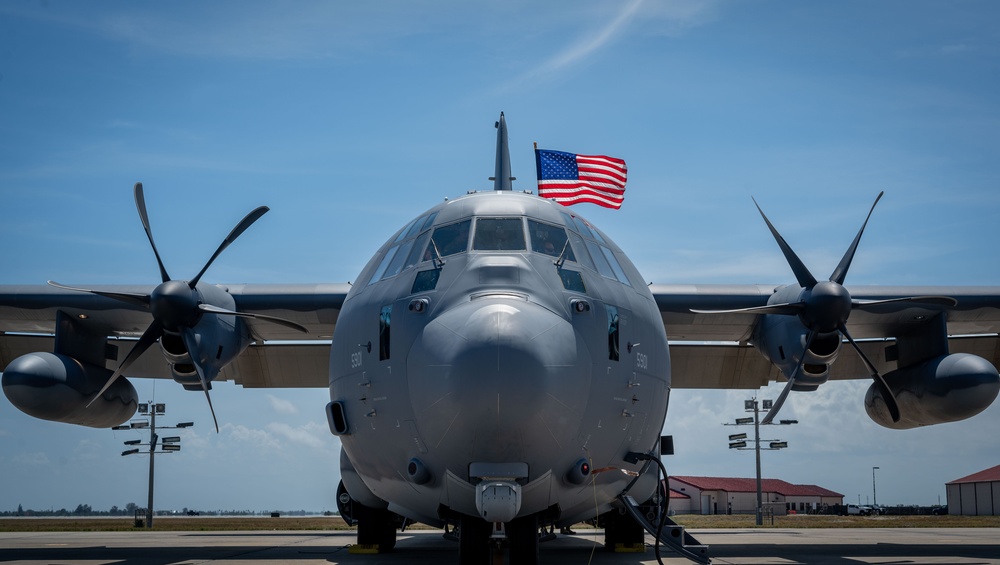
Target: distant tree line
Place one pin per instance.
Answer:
(81, 510)
(130, 509)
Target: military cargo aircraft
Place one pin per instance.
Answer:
(500, 366)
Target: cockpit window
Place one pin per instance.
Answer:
(409, 248)
(600, 260)
(606, 262)
(615, 266)
(600, 256)
(397, 261)
(406, 230)
(550, 240)
(584, 228)
(377, 275)
(452, 239)
(430, 220)
(420, 251)
(499, 234)
(416, 226)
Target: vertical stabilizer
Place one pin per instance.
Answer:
(501, 178)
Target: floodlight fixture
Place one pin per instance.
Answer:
(737, 445)
(170, 447)
(144, 408)
(737, 437)
(766, 404)
(778, 444)
(743, 421)
(185, 424)
(171, 439)
(788, 422)
(133, 442)
(748, 404)
(136, 424)
(130, 452)
(160, 408)
(122, 427)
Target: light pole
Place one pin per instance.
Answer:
(167, 445)
(738, 441)
(874, 497)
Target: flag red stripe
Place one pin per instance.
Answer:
(565, 189)
(600, 202)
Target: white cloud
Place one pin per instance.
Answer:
(257, 438)
(590, 42)
(89, 450)
(282, 406)
(309, 435)
(660, 18)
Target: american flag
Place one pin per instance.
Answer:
(569, 178)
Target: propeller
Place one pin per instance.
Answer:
(824, 307)
(176, 305)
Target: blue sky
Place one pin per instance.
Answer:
(349, 120)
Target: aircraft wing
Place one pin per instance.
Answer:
(279, 357)
(716, 350)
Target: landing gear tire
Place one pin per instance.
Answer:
(621, 531)
(522, 535)
(375, 527)
(474, 541)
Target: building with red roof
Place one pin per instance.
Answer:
(731, 495)
(975, 495)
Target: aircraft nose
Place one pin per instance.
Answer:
(499, 378)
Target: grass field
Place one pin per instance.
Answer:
(692, 521)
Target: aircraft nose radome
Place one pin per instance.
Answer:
(501, 378)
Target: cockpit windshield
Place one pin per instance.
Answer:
(499, 234)
(452, 239)
(550, 240)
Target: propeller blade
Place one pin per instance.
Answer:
(140, 204)
(945, 301)
(791, 382)
(840, 273)
(281, 321)
(187, 334)
(241, 227)
(781, 400)
(887, 396)
(129, 297)
(149, 337)
(802, 274)
(786, 309)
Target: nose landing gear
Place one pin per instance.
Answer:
(483, 543)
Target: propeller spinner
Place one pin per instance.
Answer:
(176, 305)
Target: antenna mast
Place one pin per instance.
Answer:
(501, 178)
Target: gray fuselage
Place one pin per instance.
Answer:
(477, 343)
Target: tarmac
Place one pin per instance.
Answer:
(730, 546)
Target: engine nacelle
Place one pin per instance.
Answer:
(945, 389)
(58, 388)
(218, 339)
(173, 349)
(781, 340)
